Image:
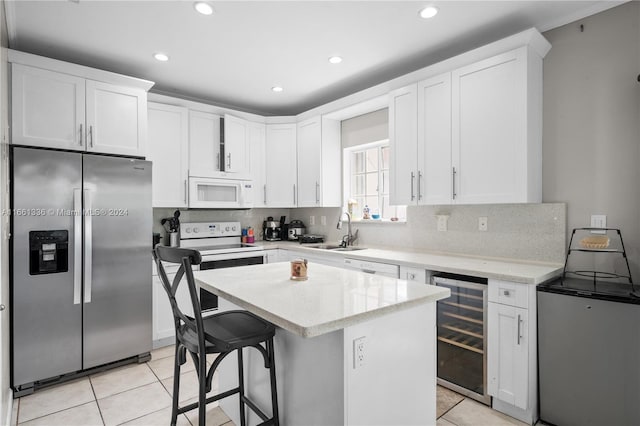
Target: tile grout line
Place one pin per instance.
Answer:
(452, 407)
(95, 398)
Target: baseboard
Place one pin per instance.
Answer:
(526, 416)
(166, 341)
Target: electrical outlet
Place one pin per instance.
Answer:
(482, 224)
(312, 220)
(323, 220)
(442, 222)
(359, 352)
(598, 221)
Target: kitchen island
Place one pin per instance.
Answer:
(351, 348)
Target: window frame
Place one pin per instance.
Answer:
(348, 174)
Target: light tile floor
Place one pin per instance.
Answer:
(140, 395)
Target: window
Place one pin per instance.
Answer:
(366, 173)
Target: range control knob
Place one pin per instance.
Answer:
(196, 230)
(187, 230)
(226, 229)
(234, 229)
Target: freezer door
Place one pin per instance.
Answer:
(47, 310)
(117, 253)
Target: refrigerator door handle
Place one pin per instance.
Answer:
(77, 245)
(88, 245)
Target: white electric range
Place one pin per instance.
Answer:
(220, 245)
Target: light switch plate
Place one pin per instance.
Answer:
(598, 221)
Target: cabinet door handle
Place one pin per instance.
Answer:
(2, 307)
(454, 183)
(519, 336)
(413, 177)
(80, 134)
(265, 193)
(419, 189)
(91, 136)
(185, 191)
(218, 161)
(294, 194)
(317, 193)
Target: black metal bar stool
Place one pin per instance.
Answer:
(220, 333)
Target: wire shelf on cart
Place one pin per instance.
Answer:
(603, 238)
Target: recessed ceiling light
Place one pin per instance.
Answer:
(161, 57)
(204, 8)
(277, 89)
(335, 59)
(429, 12)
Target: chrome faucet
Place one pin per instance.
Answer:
(347, 240)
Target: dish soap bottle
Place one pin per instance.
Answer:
(365, 212)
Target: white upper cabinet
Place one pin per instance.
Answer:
(280, 168)
(169, 151)
(204, 144)
(496, 129)
(47, 108)
(319, 170)
(434, 141)
(236, 145)
(309, 149)
(116, 119)
(257, 145)
(403, 136)
(54, 109)
(470, 136)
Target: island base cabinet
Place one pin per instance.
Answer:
(163, 326)
(320, 381)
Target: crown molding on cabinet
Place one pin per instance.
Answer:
(17, 57)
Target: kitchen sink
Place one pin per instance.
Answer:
(336, 247)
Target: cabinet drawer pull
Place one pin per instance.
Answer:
(506, 293)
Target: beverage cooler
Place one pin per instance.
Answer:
(462, 336)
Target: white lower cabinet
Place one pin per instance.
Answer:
(511, 345)
(163, 326)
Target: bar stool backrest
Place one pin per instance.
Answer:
(186, 258)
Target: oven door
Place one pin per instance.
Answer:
(208, 300)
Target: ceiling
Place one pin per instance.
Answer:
(236, 55)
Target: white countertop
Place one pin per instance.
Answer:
(331, 299)
(513, 270)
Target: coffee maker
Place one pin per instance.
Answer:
(271, 230)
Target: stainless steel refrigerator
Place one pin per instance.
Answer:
(81, 269)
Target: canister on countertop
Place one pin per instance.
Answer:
(299, 269)
(250, 235)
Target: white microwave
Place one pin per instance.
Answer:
(219, 193)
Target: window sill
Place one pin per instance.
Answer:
(376, 222)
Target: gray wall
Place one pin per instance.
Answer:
(366, 128)
(591, 139)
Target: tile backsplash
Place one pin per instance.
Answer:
(531, 232)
